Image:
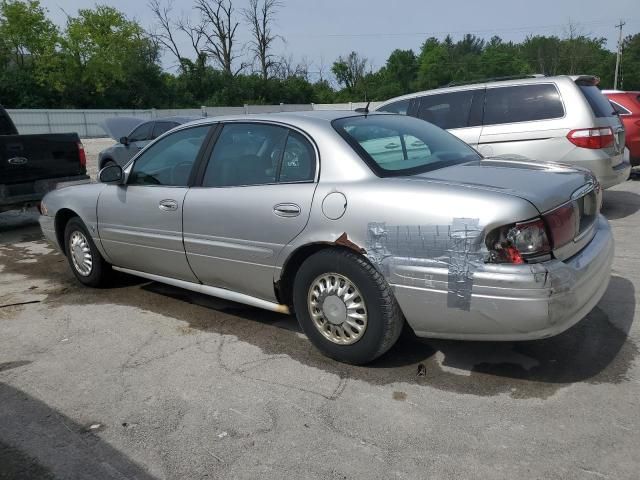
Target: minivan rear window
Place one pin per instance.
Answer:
(522, 103)
(597, 101)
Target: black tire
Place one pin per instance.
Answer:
(100, 271)
(384, 317)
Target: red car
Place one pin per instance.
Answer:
(627, 105)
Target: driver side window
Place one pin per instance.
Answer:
(141, 133)
(169, 161)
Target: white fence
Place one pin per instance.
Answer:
(87, 122)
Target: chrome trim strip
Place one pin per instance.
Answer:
(213, 291)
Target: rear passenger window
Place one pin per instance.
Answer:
(522, 103)
(298, 161)
(400, 107)
(447, 110)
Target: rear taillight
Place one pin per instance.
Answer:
(593, 138)
(518, 243)
(562, 224)
(82, 155)
(638, 123)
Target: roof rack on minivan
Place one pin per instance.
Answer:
(495, 79)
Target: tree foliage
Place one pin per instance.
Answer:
(101, 58)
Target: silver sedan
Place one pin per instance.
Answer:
(356, 222)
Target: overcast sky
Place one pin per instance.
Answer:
(321, 30)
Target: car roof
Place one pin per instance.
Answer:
(176, 119)
(485, 84)
(318, 117)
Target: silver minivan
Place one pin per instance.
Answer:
(562, 119)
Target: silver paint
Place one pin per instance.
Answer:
(231, 242)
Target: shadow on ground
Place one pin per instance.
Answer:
(39, 443)
(596, 350)
(619, 204)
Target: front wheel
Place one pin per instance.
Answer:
(85, 260)
(346, 307)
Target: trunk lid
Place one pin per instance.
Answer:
(545, 185)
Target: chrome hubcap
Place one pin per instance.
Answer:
(337, 308)
(80, 253)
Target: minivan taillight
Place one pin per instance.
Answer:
(82, 155)
(518, 242)
(593, 138)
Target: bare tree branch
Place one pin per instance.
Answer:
(219, 28)
(164, 33)
(194, 32)
(260, 16)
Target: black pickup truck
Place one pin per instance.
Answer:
(31, 165)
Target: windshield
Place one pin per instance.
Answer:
(399, 145)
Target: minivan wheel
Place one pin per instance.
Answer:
(346, 307)
(85, 260)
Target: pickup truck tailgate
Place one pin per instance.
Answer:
(26, 158)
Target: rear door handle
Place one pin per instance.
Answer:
(287, 210)
(168, 205)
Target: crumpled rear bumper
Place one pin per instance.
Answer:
(508, 302)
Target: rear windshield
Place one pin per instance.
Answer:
(399, 145)
(597, 101)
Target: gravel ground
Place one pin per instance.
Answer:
(93, 146)
(152, 382)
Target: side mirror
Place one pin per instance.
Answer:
(111, 174)
(124, 140)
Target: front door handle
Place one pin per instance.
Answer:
(168, 205)
(287, 210)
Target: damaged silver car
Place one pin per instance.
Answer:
(356, 222)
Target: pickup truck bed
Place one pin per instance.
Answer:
(32, 165)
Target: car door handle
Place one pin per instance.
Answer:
(286, 210)
(168, 205)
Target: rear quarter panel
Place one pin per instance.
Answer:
(399, 203)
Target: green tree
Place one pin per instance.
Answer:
(105, 54)
(349, 71)
(631, 63)
(401, 68)
(28, 58)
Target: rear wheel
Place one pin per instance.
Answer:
(346, 307)
(85, 260)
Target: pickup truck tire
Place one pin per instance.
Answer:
(346, 307)
(85, 260)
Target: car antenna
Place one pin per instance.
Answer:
(364, 110)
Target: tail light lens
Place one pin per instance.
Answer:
(593, 138)
(82, 155)
(518, 243)
(638, 123)
(562, 223)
